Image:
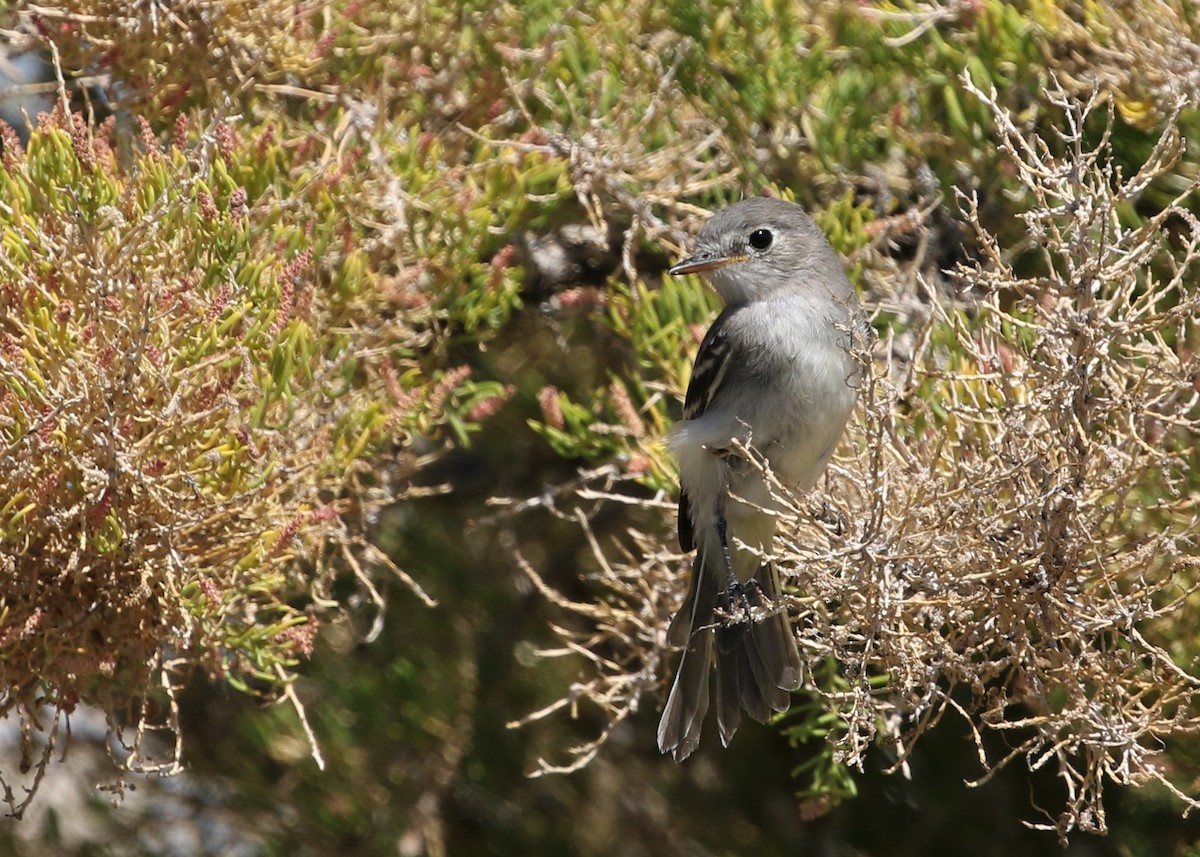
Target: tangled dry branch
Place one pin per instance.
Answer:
(1018, 503)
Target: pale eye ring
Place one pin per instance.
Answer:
(760, 239)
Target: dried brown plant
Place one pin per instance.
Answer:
(194, 48)
(1147, 54)
(1015, 505)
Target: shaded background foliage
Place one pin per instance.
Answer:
(506, 183)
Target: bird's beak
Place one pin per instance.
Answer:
(703, 261)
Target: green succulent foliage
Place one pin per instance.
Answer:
(663, 325)
(813, 725)
(838, 89)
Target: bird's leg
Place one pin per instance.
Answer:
(732, 584)
(733, 587)
(731, 581)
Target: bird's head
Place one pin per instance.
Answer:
(761, 245)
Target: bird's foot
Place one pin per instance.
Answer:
(832, 518)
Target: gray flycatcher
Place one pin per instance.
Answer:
(774, 373)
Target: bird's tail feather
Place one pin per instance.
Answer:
(757, 662)
(683, 715)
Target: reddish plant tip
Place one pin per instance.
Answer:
(179, 134)
(324, 45)
(237, 204)
(208, 206)
(486, 408)
(552, 413)
(502, 260)
(626, 411)
(147, 136)
(447, 385)
(10, 146)
(226, 138)
(300, 639)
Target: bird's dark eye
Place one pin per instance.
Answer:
(760, 239)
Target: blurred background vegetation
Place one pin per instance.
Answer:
(484, 197)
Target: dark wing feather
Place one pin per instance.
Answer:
(687, 536)
(712, 362)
